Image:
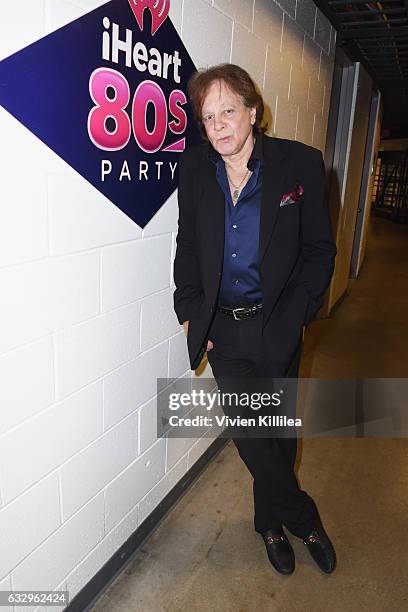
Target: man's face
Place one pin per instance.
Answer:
(227, 121)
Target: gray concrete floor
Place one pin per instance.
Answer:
(205, 555)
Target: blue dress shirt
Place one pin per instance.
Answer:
(240, 284)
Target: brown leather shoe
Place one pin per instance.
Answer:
(280, 551)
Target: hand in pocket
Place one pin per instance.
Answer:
(210, 345)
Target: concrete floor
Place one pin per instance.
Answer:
(206, 557)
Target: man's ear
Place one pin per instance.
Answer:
(253, 115)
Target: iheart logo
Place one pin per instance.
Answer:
(158, 8)
(114, 108)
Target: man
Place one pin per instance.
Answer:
(254, 257)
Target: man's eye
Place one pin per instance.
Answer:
(229, 111)
(207, 118)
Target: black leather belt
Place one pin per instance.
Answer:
(244, 312)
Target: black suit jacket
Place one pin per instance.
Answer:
(296, 247)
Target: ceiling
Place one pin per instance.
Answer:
(376, 34)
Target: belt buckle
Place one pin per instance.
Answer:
(234, 310)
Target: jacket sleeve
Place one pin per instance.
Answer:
(318, 247)
(188, 293)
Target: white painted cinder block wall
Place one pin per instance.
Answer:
(86, 318)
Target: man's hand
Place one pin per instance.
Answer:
(210, 345)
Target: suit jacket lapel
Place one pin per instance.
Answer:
(214, 220)
(272, 189)
(215, 203)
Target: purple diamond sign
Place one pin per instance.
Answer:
(107, 93)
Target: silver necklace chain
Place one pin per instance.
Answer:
(237, 189)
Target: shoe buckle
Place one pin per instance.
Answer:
(311, 538)
(275, 538)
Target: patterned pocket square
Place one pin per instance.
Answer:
(292, 196)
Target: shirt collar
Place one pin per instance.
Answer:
(257, 153)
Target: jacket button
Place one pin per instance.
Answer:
(211, 309)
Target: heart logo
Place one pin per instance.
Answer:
(158, 8)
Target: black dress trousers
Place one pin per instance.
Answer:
(240, 357)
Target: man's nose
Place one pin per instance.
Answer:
(218, 124)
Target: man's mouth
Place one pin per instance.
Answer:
(225, 139)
